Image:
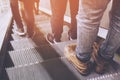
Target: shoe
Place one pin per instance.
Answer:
(19, 31)
(100, 63)
(70, 53)
(50, 38)
(70, 37)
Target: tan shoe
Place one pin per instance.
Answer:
(70, 54)
(100, 63)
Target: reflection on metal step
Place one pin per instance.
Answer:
(50, 70)
(30, 56)
(23, 44)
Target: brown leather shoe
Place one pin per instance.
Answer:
(100, 63)
(70, 54)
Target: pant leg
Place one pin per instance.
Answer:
(29, 14)
(74, 4)
(112, 42)
(88, 20)
(58, 10)
(16, 13)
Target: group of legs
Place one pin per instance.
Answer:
(28, 15)
(58, 8)
(84, 29)
(88, 21)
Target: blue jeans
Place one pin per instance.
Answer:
(58, 10)
(112, 42)
(88, 20)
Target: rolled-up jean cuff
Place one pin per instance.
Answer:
(106, 58)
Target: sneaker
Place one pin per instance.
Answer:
(70, 37)
(100, 63)
(50, 38)
(70, 54)
(19, 31)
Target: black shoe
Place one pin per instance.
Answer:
(50, 38)
(72, 37)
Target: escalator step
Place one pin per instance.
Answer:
(50, 70)
(23, 44)
(25, 56)
(33, 55)
(55, 69)
(59, 47)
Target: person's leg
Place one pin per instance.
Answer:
(37, 5)
(112, 42)
(16, 15)
(29, 16)
(88, 20)
(58, 10)
(74, 4)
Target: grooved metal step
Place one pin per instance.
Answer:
(56, 69)
(23, 44)
(25, 56)
(33, 55)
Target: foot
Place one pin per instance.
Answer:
(100, 63)
(20, 31)
(70, 54)
(50, 38)
(71, 37)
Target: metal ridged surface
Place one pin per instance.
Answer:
(33, 55)
(25, 57)
(49, 70)
(23, 44)
(55, 69)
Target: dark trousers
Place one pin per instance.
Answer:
(58, 10)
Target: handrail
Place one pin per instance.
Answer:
(4, 25)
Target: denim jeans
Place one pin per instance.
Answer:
(58, 10)
(88, 21)
(15, 12)
(112, 42)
